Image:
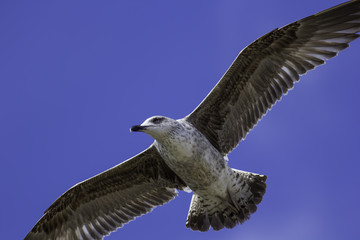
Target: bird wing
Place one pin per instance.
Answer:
(97, 206)
(267, 68)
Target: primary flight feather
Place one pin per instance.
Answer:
(192, 152)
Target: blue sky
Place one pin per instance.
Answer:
(75, 75)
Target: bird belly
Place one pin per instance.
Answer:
(199, 166)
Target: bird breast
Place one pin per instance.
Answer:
(192, 157)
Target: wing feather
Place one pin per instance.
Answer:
(265, 70)
(97, 206)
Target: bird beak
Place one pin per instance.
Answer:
(137, 128)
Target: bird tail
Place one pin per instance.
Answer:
(243, 194)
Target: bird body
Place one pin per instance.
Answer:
(222, 196)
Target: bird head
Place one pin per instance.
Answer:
(157, 126)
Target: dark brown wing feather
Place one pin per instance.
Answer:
(101, 204)
(268, 68)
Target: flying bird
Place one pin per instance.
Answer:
(191, 153)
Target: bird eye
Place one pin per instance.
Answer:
(157, 120)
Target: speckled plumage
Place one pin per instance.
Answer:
(187, 152)
(222, 196)
(192, 152)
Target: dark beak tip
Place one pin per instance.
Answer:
(136, 128)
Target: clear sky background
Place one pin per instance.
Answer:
(75, 75)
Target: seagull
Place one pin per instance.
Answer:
(191, 153)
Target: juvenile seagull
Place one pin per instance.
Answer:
(191, 152)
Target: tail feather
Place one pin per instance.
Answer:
(245, 191)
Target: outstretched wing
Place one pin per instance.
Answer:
(101, 204)
(268, 68)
